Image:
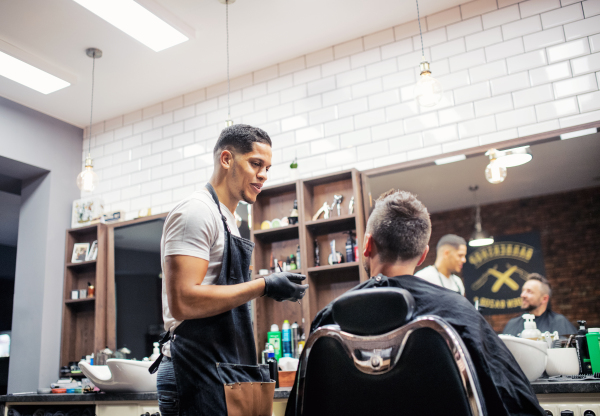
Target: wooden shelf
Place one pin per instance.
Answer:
(332, 225)
(70, 301)
(82, 265)
(287, 232)
(330, 267)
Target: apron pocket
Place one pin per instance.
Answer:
(248, 389)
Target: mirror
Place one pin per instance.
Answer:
(550, 204)
(138, 286)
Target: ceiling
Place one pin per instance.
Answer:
(131, 76)
(557, 166)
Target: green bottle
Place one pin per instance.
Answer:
(274, 338)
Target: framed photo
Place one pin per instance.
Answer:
(87, 211)
(80, 251)
(92, 253)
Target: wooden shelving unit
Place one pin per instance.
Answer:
(84, 320)
(326, 281)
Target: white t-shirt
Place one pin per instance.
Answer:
(194, 228)
(432, 275)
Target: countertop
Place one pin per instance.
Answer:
(540, 386)
(280, 393)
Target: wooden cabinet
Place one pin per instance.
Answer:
(326, 282)
(84, 320)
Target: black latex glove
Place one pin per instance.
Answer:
(285, 286)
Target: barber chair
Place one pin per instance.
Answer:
(379, 360)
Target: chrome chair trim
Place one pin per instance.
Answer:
(384, 351)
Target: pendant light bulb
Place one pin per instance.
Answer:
(87, 180)
(428, 91)
(495, 172)
(479, 237)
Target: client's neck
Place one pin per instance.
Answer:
(393, 269)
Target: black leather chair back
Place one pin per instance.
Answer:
(423, 378)
(373, 311)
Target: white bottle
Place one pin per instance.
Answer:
(155, 351)
(530, 331)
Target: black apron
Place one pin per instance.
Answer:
(210, 352)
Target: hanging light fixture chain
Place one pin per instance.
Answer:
(227, 47)
(92, 105)
(420, 33)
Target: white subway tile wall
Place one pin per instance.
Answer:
(508, 68)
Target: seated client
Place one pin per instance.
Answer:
(395, 243)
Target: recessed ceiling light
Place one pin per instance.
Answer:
(24, 68)
(139, 22)
(578, 133)
(450, 159)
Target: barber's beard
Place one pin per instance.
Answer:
(234, 177)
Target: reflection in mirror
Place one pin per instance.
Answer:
(138, 287)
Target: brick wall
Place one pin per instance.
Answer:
(508, 69)
(569, 227)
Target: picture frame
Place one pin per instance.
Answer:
(87, 211)
(92, 253)
(80, 251)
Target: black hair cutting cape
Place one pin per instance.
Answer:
(504, 388)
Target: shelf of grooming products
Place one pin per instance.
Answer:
(282, 352)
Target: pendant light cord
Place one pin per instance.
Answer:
(92, 105)
(227, 47)
(420, 33)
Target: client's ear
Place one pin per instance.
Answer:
(422, 259)
(368, 245)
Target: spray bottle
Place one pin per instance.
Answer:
(286, 339)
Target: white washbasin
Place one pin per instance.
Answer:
(531, 355)
(125, 376)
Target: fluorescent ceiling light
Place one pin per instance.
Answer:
(450, 159)
(138, 22)
(578, 133)
(19, 66)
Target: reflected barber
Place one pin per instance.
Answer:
(207, 283)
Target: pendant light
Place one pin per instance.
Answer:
(479, 237)
(87, 180)
(428, 91)
(494, 172)
(229, 121)
(514, 157)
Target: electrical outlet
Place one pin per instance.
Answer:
(566, 409)
(551, 410)
(589, 409)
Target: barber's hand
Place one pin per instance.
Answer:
(285, 286)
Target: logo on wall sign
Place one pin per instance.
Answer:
(495, 274)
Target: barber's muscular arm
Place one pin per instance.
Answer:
(189, 299)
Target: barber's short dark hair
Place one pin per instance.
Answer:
(451, 240)
(240, 138)
(545, 283)
(400, 226)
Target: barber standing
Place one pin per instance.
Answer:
(451, 252)
(207, 282)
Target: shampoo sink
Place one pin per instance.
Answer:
(124, 376)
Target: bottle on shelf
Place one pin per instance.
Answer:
(273, 369)
(293, 218)
(295, 340)
(292, 263)
(317, 259)
(286, 339)
(266, 351)
(298, 264)
(274, 338)
(349, 248)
